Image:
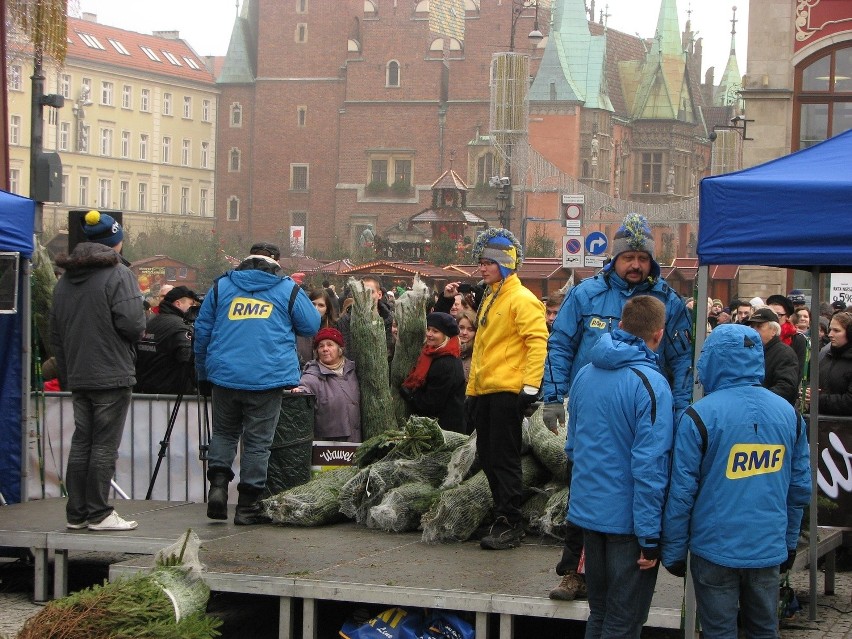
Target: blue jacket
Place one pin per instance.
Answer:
(620, 431)
(740, 469)
(245, 337)
(593, 308)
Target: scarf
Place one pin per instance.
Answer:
(787, 333)
(417, 377)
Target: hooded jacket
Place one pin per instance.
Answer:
(740, 470)
(96, 318)
(835, 381)
(782, 370)
(164, 354)
(620, 431)
(592, 309)
(245, 333)
(511, 344)
(338, 401)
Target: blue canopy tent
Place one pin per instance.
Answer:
(17, 215)
(792, 212)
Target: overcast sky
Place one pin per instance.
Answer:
(206, 24)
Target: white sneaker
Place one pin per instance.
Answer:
(71, 526)
(114, 522)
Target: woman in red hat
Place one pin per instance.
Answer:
(331, 379)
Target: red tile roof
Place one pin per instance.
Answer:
(176, 59)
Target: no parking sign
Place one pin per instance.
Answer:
(572, 251)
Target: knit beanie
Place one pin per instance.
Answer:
(501, 247)
(633, 235)
(329, 333)
(102, 228)
(783, 302)
(443, 322)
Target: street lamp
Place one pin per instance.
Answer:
(518, 8)
(504, 198)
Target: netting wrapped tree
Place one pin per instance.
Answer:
(410, 315)
(369, 352)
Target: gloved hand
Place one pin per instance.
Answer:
(678, 569)
(406, 393)
(650, 552)
(788, 563)
(554, 414)
(205, 388)
(526, 399)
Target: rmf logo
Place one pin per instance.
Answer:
(597, 323)
(748, 460)
(247, 308)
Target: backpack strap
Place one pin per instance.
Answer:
(647, 384)
(293, 295)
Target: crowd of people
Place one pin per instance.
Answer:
(652, 475)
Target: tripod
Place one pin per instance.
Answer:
(164, 443)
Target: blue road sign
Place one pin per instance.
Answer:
(596, 243)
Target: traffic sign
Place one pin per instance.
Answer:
(596, 243)
(572, 198)
(573, 211)
(572, 252)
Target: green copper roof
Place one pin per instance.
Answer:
(572, 68)
(238, 67)
(731, 79)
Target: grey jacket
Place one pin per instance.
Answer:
(338, 407)
(96, 318)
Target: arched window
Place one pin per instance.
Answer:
(233, 208)
(823, 101)
(392, 74)
(236, 114)
(234, 161)
(485, 168)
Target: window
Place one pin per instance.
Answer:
(402, 172)
(301, 116)
(167, 103)
(150, 53)
(379, 172)
(14, 129)
(126, 96)
(301, 32)
(184, 200)
(16, 77)
(107, 93)
(187, 107)
(205, 155)
(205, 110)
(171, 58)
(392, 75)
(165, 198)
(118, 46)
(236, 115)
(234, 161)
(298, 177)
(301, 6)
(192, 64)
(124, 195)
(485, 168)
(64, 136)
(125, 144)
(652, 173)
(65, 85)
(91, 41)
(143, 196)
(106, 142)
(145, 100)
(233, 209)
(52, 116)
(167, 149)
(202, 202)
(83, 138)
(104, 193)
(823, 100)
(15, 181)
(83, 199)
(143, 146)
(185, 153)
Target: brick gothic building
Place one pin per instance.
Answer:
(336, 114)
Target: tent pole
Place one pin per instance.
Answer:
(26, 369)
(813, 436)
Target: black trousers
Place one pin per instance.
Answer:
(498, 443)
(573, 547)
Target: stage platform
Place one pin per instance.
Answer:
(344, 563)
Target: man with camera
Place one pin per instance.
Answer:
(164, 354)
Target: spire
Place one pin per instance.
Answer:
(733, 30)
(731, 81)
(667, 39)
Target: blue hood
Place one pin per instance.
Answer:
(732, 356)
(619, 349)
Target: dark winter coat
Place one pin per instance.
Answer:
(782, 370)
(442, 395)
(96, 319)
(835, 381)
(164, 354)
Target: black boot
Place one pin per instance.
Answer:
(249, 510)
(217, 498)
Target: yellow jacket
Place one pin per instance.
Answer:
(510, 349)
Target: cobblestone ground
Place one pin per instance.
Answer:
(834, 612)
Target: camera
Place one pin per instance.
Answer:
(465, 288)
(191, 314)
